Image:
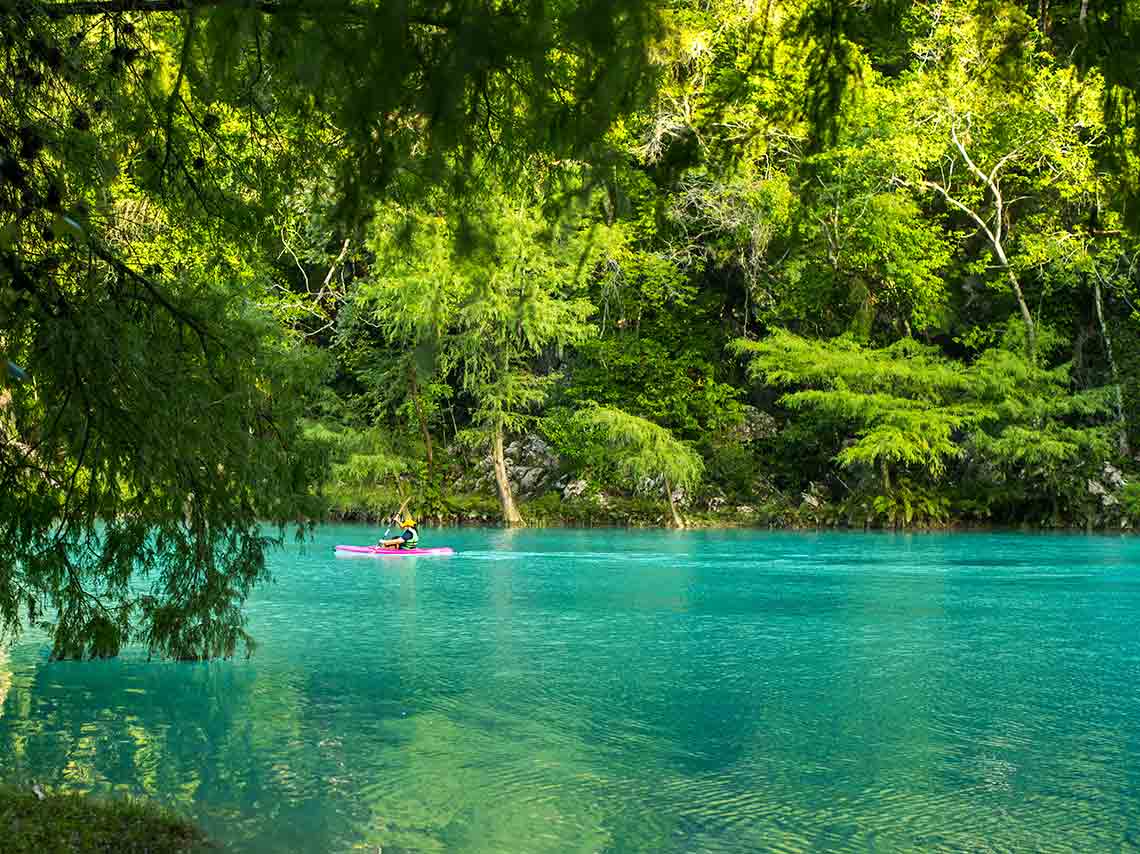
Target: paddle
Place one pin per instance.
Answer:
(398, 516)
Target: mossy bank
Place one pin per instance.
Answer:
(38, 822)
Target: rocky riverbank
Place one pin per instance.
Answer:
(550, 495)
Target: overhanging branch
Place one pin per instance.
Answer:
(114, 7)
(309, 8)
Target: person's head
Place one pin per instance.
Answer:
(408, 523)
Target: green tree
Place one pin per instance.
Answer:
(483, 311)
(914, 412)
(143, 147)
(642, 450)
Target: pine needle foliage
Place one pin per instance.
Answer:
(916, 413)
(147, 152)
(643, 451)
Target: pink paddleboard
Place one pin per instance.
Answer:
(378, 551)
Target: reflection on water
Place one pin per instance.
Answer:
(634, 692)
(5, 678)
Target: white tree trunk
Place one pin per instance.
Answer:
(995, 234)
(511, 516)
(678, 521)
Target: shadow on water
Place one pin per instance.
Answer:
(634, 692)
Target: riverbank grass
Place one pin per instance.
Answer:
(69, 824)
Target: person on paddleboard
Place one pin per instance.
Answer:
(409, 538)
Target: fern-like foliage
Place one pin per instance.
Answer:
(912, 410)
(642, 449)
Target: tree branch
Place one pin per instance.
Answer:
(308, 8)
(964, 208)
(112, 7)
(336, 263)
(973, 167)
(989, 181)
(178, 314)
(187, 42)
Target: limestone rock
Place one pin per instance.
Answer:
(575, 488)
(757, 425)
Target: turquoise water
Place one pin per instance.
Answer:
(700, 692)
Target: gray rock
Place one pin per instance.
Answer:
(530, 480)
(650, 485)
(1107, 499)
(575, 488)
(1114, 477)
(530, 463)
(757, 425)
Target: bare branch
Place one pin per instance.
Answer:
(993, 172)
(296, 260)
(973, 167)
(336, 263)
(962, 207)
(989, 181)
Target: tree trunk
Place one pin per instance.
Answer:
(1122, 437)
(1079, 372)
(995, 234)
(1030, 329)
(511, 516)
(886, 472)
(415, 389)
(678, 521)
(1014, 284)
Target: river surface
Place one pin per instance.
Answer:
(612, 691)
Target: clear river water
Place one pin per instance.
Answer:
(648, 691)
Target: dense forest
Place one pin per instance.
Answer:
(800, 262)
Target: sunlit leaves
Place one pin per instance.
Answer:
(912, 409)
(641, 449)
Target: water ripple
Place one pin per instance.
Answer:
(611, 691)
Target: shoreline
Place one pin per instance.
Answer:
(702, 523)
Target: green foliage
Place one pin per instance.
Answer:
(914, 411)
(481, 311)
(1130, 499)
(154, 443)
(516, 224)
(908, 504)
(643, 450)
(722, 212)
(157, 163)
(639, 374)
